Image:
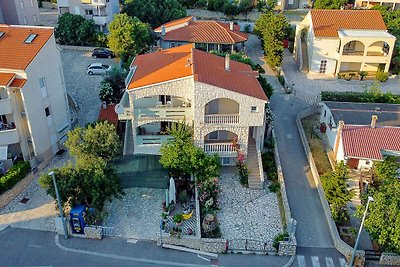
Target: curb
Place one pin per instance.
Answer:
(290, 262)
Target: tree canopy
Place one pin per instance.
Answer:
(75, 30)
(271, 28)
(329, 4)
(336, 192)
(383, 221)
(155, 12)
(128, 35)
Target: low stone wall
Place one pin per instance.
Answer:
(93, 232)
(212, 245)
(207, 14)
(340, 245)
(389, 259)
(287, 248)
(78, 48)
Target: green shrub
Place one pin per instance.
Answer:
(15, 174)
(272, 175)
(365, 97)
(281, 79)
(247, 28)
(382, 76)
(278, 238)
(101, 39)
(268, 89)
(274, 187)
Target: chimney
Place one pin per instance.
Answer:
(162, 30)
(374, 118)
(338, 137)
(227, 62)
(231, 25)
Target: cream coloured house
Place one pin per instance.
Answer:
(221, 99)
(328, 42)
(34, 115)
(392, 4)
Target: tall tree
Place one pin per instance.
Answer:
(129, 36)
(329, 4)
(75, 30)
(271, 28)
(155, 12)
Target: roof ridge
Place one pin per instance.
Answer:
(218, 23)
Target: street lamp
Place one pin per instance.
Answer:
(359, 231)
(59, 204)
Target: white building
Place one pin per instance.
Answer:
(328, 42)
(221, 99)
(392, 4)
(34, 112)
(22, 12)
(100, 11)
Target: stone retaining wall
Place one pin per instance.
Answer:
(390, 259)
(79, 48)
(207, 14)
(340, 245)
(93, 232)
(213, 245)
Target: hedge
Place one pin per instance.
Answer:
(366, 97)
(15, 174)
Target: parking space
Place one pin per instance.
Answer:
(83, 88)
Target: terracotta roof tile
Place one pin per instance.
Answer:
(108, 114)
(174, 23)
(6, 78)
(17, 82)
(367, 142)
(207, 31)
(326, 23)
(185, 61)
(14, 52)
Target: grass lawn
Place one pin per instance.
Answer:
(316, 145)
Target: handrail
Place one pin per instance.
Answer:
(219, 147)
(221, 118)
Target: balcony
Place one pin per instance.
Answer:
(224, 148)
(94, 2)
(8, 136)
(100, 20)
(5, 106)
(164, 112)
(62, 3)
(150, 144)
(221, 118)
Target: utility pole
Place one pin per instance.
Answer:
(59, 204)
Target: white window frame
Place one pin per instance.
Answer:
(254, 109)
(25, 20)
(31, 2)
(21, 4)
(223, 163)
(43, 87)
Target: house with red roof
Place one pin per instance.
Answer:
(34, 114)
(328, 42)
(207, 35)
(221, 99)
(359, 146)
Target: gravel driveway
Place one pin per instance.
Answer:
(83, 88)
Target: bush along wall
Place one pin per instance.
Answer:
(15, 174)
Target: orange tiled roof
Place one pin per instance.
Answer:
(207, 31)
(366, 142)
(108, 114)
(17, 82)
(14, 53)
(6, 78)
(326, 23)
(174, 23)
(185, 61)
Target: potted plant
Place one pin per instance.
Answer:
(189, 231)
(164, 216)
(362, 75)
(178, 219)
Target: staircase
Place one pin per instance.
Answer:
(253, 165)
(353, 185)
(304, 52)
(128, 139)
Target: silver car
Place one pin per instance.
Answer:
(98, 68)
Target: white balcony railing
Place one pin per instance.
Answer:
(218, 148)
(5, 106)
(222, 118)
(100, 20)
(178, 113)
(152, 139)
(8, 137)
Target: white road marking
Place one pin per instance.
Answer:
(329, 262)
(301, 261)
(35, 246)
(289, 136)
(133, 241)
(342, 262)
(315, 261)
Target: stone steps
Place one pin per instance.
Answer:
(253, 166)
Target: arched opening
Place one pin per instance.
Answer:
(219, 141)
(222, 110)
(354, 48)
(379, 48)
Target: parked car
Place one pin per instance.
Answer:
(102, 52)
(98, 68)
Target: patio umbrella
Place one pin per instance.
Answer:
(172, 190)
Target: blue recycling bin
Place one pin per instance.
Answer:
(77, 219)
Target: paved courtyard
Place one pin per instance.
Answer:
(39, 211)
(83, 88)
(247, 213)
(137, 215)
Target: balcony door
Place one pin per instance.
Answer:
(164, 99)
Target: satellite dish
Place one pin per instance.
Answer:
(119, 109)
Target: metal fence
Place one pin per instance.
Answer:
(251, 245)
(107, 231)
